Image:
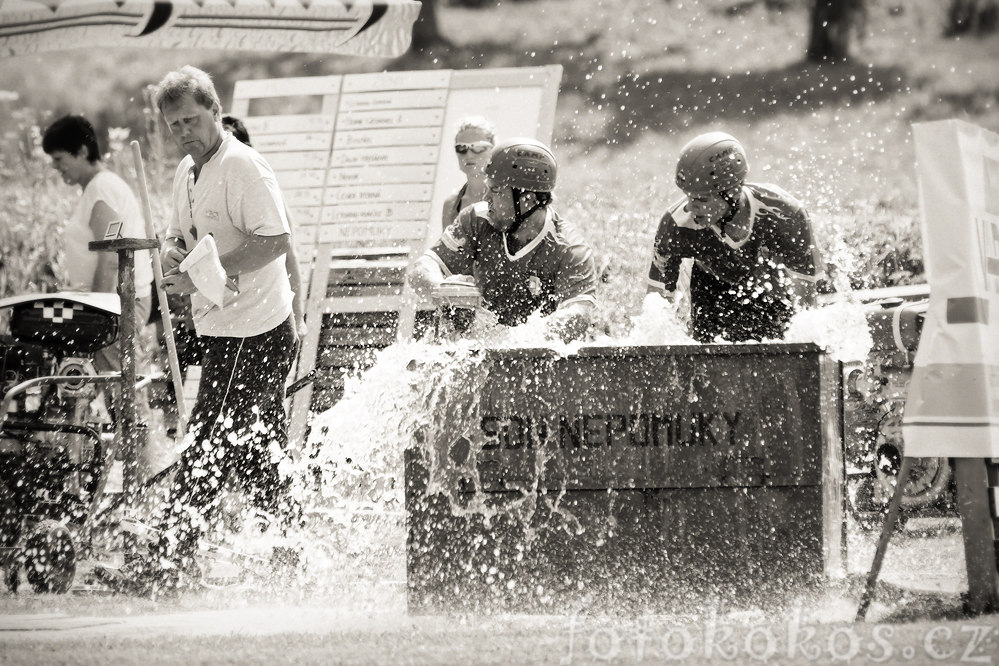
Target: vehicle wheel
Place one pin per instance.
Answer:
(928, 482)
(866, 510)
(49, 558)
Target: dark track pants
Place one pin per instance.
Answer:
(239, 432)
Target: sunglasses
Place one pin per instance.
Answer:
(477, 147)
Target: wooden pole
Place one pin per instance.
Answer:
(992, 471)
(970, 476)
(126, 420)
(894, 508)
(128, 434)
(172, 360)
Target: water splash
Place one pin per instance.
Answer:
(659, 322)
(351, 478)
(840, 328)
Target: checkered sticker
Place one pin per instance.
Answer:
(58, 312)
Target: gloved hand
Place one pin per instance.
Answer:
(457, 291)
(457, 299)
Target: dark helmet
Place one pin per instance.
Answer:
(525, 164)
(712, 162)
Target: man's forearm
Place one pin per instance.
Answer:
(253, 254)
(172, 253)
(295, 278)
(425, 277)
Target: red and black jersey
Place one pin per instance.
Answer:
(739, 290)
(555, 268)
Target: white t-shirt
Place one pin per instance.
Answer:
(81, 262)
(235, 195)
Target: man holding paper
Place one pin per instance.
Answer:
(229, 216)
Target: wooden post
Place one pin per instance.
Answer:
(127, 431)
(970, 476)
(992, 472)
(894, 507)
(172, 361)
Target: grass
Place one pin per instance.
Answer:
(543, 641)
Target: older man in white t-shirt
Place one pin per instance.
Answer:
(226, 189)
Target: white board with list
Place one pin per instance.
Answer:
(365, 159)
(365, 162)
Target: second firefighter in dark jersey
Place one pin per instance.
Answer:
(754, 257)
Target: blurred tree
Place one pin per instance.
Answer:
(832, 26)
(972, 17)
(426, 32)
(476, 4)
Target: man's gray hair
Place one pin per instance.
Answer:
(188, 81)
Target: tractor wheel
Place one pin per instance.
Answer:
(928, 482)
(868, 512)
(49, 558)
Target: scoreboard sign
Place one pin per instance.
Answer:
(365, 162)
(629, 475)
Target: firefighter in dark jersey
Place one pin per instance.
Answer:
(754, 257)
(523, 256)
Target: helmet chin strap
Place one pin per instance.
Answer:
(543, 199)
(733, 208)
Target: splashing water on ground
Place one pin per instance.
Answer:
(350, 480)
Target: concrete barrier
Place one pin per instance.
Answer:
(631, 478)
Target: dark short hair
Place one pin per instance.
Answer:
(70, 133)
(187, 81)
(237, 128)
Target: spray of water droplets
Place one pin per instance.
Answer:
(350, 478)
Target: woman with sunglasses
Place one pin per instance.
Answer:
(473, 143)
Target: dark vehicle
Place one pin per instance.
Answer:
(54, 455)
(874, 395)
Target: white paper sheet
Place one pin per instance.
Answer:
(203, 265)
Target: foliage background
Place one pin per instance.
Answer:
(641, 77)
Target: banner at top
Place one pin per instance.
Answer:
(952, 408)
(375, 28)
